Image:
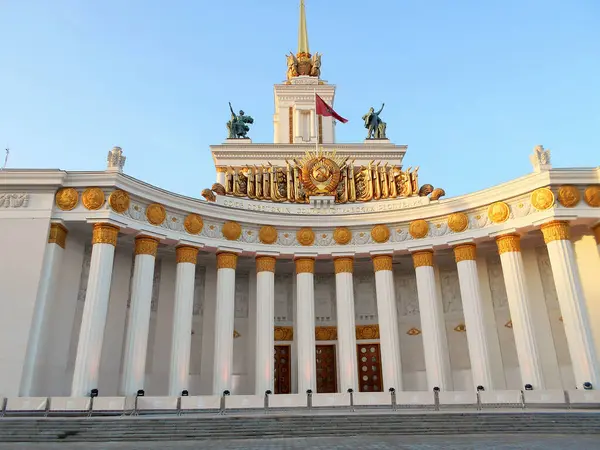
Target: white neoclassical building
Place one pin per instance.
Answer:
(307, 265)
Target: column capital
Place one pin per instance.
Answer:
(146, 245)
(305, 265)
(58, 235)
(186, 254)
(343, 264)
(265, 263)
(465, 252)
(508, 243)
(596, 230)
(382, 262)
(557, 230)
(105, 233)
(226, 260)
(423, 258)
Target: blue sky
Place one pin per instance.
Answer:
(470, 86)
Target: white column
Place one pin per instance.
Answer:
(305, 325)
(388, 323)
(93, 321)
(313, 130)
(224, 321)
(346, 328)
(474, 312)
(181, 338)
(297, 122)
(221, 178)
(435, 342)
(45, 296)
(521, 313)
(572, 303)
(265, 322)
(138, 323)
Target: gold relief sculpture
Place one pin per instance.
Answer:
(92, 198)
(344, 264)
(231, 230)
(596, 230)
(265, 264)
(305, 265)
(542, 199)
(66, 198)
(326, 333)
(382, 262)
(283, 333)
(146, 245)
(423, 259)
(305, 236)
(193, 223)
(156, 214)
(367, 332)
(498, 212)
(568, 196)
(58, 235)
(268, 234)
(508, 243)
(413, 332)
(458, 222)
(592, 196)
(556, 230)
(119, 201)
(461, 328)
(105, 233)
(418, 228)
(186, 254)
(380, 233)
(226, 260)
(208, 195)
(342, 235)
(465, 252)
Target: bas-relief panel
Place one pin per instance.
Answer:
(450, 290)
(407, 299)
(283, 298)
(199, 291)
(85, 272)
(365, 298)
(497, 287)
(242, 282)
(325, 298)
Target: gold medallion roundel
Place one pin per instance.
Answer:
(67, 198)
(458, 222)
(380, 233)
(418, 228)
(193, 223)
(305, 236)
(93, 198)
(342, 235)
(320, 175)
(119, 201)
(568, 196)
(542, 199)
(156, 214)
(498, 212)
(232, 230)
(268, 234)
(592, 196)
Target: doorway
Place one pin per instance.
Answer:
(282, 369)
(369, 368)
(326, 369)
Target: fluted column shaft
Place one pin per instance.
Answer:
(305, 324)
(388, 323)
(572, 303)
(521, 313)
(181, 337)
(265, 322)
(224, 321)
(93, 321)
(45, 296)
(470, 292)
(346, 329)
(435, 342)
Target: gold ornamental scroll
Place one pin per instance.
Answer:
(58, 235)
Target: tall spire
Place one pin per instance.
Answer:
(302, 33)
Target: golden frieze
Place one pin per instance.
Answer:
(325, 333)
(156, 214)
(367, 332)
(418, 228)
(342, 235)
(283, 333)
(268, 234)
(231, 230)
(305, 236)
(542, 199)
(498, 212)
(92, 198)
(119, 201)
(568, 196)
(592, 196)
(193, 223)
(66, 198)
(380, 233)
(458, 222)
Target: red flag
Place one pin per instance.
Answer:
(323, 109)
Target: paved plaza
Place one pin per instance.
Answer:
(496, 442)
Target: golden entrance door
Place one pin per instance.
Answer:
(282, 369)
(369, 368)
(326, 369)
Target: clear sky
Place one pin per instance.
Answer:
(470, 86)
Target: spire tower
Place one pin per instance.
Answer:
(303, 48)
